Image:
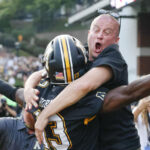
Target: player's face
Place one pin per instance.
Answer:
(103, 32)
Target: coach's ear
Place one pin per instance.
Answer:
(117, 40)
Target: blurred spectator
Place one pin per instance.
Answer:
(13, 68)
(6, 110)
(18, 133)
(9, 107)
(142, 121)
(11, 80)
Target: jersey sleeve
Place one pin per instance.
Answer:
(112, 57)
(93, 101)
(7, 90)
(88, 106)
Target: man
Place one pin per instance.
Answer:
(18, 133)
(75, 127)
(107, 68)
(95, 76)
(5, 109)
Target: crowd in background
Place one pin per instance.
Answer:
(142, 121)
(13, 68)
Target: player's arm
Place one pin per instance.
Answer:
(7, 90)
(124, 95)
(30, 93)
(11, 92)
(78, 89)
(72, 94)
(11, 111)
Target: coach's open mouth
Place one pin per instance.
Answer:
(98, 47)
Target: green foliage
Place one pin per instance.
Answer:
(5, 15)
(41, 42)
(7, 40)
(44, 14)
(42, 11)
(12, 9)
(32, 49)
(19, 83)
(20, 52)
(27, 33)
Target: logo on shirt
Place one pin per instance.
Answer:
(44, 102)
(101, 95)
(37, 146)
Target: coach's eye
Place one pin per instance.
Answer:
(108, 32)
(95, 29)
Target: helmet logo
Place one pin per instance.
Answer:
(59, 76)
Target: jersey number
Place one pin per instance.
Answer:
(55, 134)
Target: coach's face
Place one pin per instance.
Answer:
(103, 32)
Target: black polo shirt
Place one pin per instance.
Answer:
(14, 135)
(117, 129)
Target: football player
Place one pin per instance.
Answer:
(75, 127)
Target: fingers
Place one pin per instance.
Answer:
(39, 126)
(39, 136)
(34, 103)
(39, 131)
(35, 94)
(31, 98)
(28, 106)
(36, 91)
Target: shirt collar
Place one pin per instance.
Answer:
(21, 124)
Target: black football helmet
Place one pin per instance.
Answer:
(64, 59)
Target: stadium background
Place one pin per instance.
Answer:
(25, 34)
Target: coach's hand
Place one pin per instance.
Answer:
(31, 97)
(40, 125)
